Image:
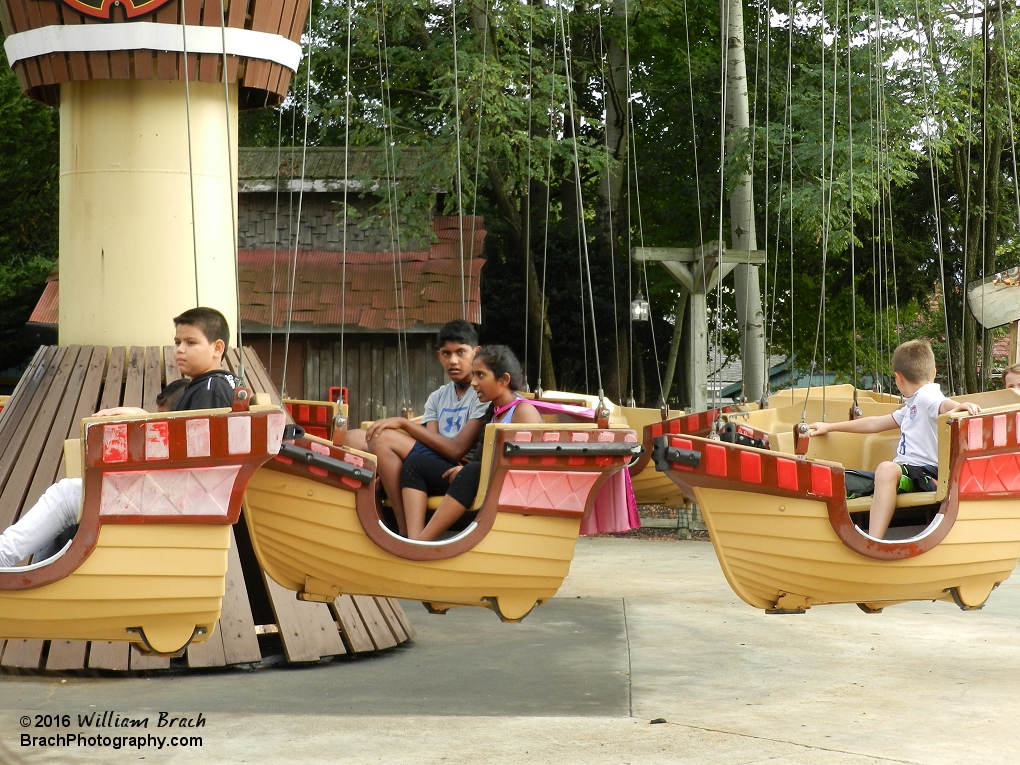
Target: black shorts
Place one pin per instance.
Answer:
(923, 478)
(424, 472)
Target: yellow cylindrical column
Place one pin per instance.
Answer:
(128, 259)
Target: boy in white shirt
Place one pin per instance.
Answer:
(915, 466)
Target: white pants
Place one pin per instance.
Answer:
(55, 512)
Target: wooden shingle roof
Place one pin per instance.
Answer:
(413, 291)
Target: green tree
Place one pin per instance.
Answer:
(29, 165)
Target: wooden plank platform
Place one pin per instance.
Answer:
(64, 384)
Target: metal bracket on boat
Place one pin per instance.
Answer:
(337, 467)
(958, 600)
(147, 649)
(580, 449)
(242, 399)
(801, 439)
(789, 603)
(664, 455)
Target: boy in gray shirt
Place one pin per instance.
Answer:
(451, 424)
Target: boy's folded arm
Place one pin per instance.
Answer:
(451, 448)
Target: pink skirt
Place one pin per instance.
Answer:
(615, 508)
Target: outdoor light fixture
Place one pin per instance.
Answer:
(639, 308)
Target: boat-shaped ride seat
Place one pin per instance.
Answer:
(317, 528)
(148, 561)
(786, 535)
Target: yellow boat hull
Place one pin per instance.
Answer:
(307, 536)
(783, 551)
(166, 580)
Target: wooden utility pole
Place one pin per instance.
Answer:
(698, 270)
(750, 318)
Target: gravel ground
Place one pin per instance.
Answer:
(667, 535)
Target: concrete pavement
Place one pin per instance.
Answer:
(641, 630)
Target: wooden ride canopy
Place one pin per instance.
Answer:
(787, 538)
(318, 528)
(52, 42)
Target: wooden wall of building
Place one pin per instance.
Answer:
(376, 383)
(295, 360)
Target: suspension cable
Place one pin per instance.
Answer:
(230, 193)
(295, 228)
(191, 168)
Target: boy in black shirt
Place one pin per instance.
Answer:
(200, 341)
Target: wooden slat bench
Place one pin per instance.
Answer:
(60, 387)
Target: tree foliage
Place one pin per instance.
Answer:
(29, 164)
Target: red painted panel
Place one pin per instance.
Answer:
(975, 433)
(994, 474)
(692, 423)
(786, 475)
(999, 430)
(303, 414)
(715, 459)
(157, 440)
(821, 480)
(320, 414)
(750, 467)
(656, 429)
(115, 443)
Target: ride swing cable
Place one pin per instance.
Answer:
(276, 234)
(389, 158)
(694, 131)
(460, 197)
(630, 227)
(935, 184)
(754, 146)
(787, 134)
(548, 206)
(478, 144)
(640, 217)
(788, 125)
(966, 203)
(230, 192)
(582, 238)
(580, 198)
(716, 342)
(301, 196)
(984, 177)
(609, 194)
(191, 168)
(853, 235)
(527, 206)
(766, 356)
(820, 327)
(347, 175)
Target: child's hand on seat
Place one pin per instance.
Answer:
(819, 428)
(120, 411)
(450, 474)
(967, 407)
